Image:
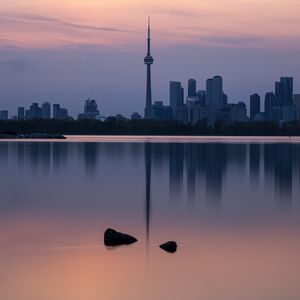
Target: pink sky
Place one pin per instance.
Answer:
(120, 23)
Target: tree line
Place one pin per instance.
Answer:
(115, 126)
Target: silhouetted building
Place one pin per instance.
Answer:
(217, 92)
(270, 103)
(297, 106)
(60, 113)
(284, 91)
(46, 110)
(136, 116)
(288, 113)
(182, 112)
(201, 95)
(161, 112)
(209, 92)
(192, 88)
(193, 107)
(21, 113)
(148, 62)
(254, 106)
(4, 115)
(63, 113)
(90, 110)
(225, 100)
(56, 111)
(176, 97)
(238, 112)
(34, 112)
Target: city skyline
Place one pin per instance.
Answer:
(71, 55)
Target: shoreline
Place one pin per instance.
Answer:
(156, 139)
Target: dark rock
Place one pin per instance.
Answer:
(170, 247)
(115, 238)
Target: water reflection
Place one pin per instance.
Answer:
(194, 171)
(226, 204)
(90, 158)
(148, 166)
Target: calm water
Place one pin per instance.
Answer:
(233, 207)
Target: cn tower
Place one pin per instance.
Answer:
(148, 61)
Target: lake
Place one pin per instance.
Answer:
(232, 205)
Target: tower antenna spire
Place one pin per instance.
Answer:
(148, 62)
(149, 36)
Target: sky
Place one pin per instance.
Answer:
(68, 50)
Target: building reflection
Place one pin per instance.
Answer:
(214, 163)
(254, 163)
(176, 166)
(90, 154)
(283, 173)
(20, 147)
(193, 170)
(59, 156)
(148, 166)
(191, 167)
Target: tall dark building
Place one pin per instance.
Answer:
(4, 115)
(176, 97)
(35, 111)
(90, 110)
(284, 91)
(217, 92)
(21, 113)
(209, 92)
(270, 102)
(59, 112)
(46, 110)
(254, 106)
(56, 111)
(192, 88)
(148, 62)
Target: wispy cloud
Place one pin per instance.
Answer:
(237, 40)
(31, 18)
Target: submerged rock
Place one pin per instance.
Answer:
(115, 238)
(170, 246)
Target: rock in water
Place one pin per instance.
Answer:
(170, 247)
(115, 238)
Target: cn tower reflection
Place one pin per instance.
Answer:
(148, 156)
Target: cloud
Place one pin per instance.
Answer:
(237, 40)
(30, 18)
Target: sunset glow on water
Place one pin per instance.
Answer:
(234, 216)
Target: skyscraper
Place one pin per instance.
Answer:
(287, 93)
(284, 91)
(56, 111)
(176, 97)
(217, 92)
(192, 88)
(4, 115)
(21, 113)
(90, 110)
(254, 105)
(46, 110)
(60, 113)
(209, 91)
(270, 102)
(35, 111)
(148, 62)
